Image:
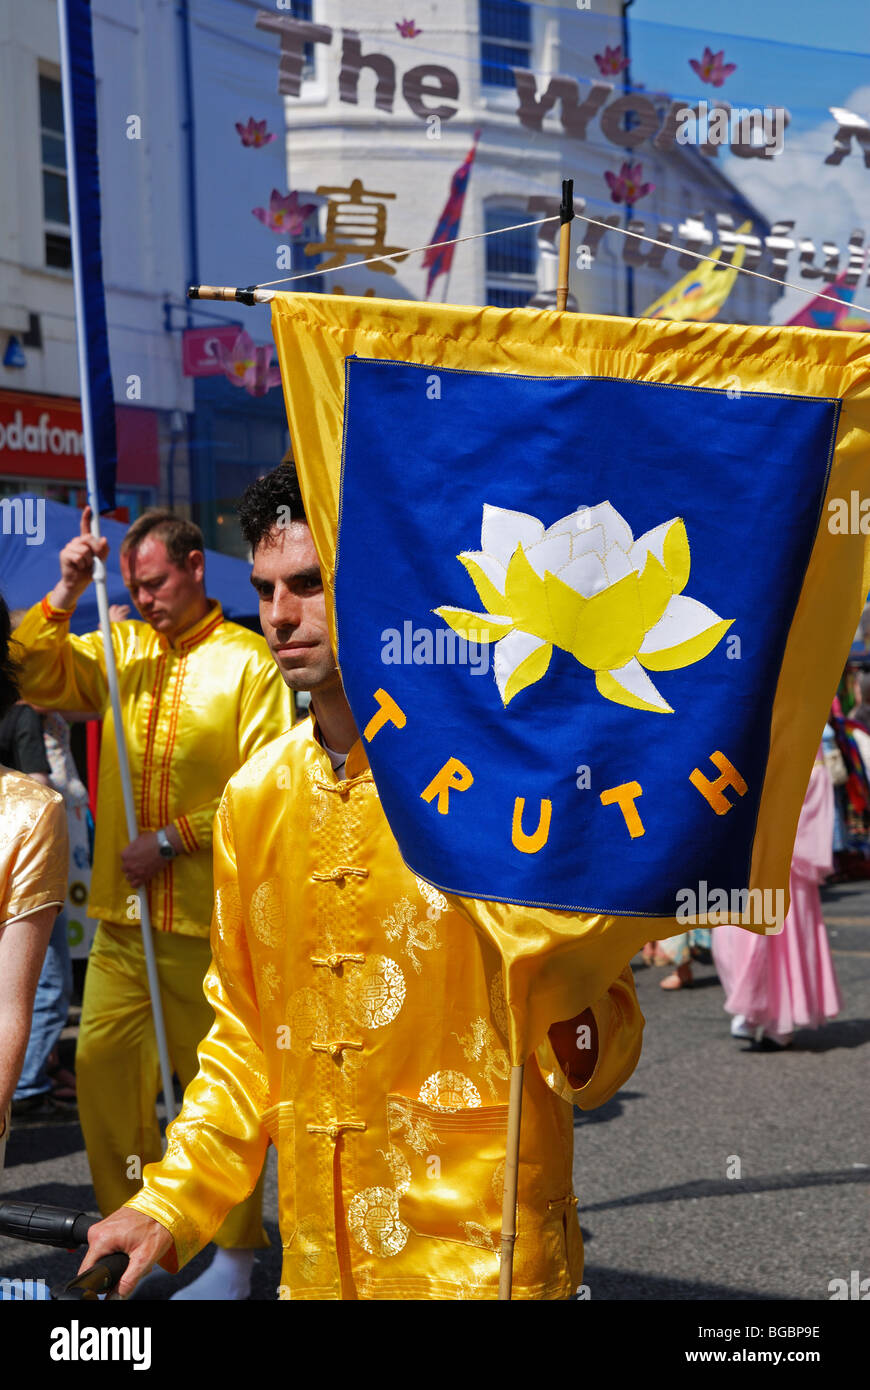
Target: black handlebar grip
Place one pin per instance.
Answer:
(100, 1278)
(60, 1226)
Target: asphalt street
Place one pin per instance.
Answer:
(718, 1172)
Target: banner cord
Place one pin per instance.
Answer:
(592, 221)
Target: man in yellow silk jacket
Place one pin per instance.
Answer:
(199, 695)
(359, 1025)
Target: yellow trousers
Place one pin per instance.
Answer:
(118, 1067)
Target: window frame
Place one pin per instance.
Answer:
(502, 41)
(51, 227)
(509, 282)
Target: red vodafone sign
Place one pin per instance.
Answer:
(41, 436)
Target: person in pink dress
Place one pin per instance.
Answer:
(775, 984)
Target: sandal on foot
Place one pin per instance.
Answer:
(680, 979)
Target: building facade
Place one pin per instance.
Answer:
(227, 157)
(400, 113)
(40, 419)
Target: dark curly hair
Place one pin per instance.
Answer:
(270, 502)
(8, 669)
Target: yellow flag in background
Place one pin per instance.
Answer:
(592, 582)
(700, 294)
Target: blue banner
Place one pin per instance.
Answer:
(574, 654)
(75, 17)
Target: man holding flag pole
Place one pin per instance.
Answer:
(191, 696)
(360, 1024)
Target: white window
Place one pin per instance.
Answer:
(505, 40)
(55, 200)
(511, 259)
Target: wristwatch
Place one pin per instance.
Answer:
(166, 849)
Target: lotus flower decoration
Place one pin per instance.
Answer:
(249, 364)
(711, 67)
(585, 585)
(254, 134)
(611, 61)
(285, 215)
(626, 186)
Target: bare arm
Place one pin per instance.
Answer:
(23, 945)
(143, 1239)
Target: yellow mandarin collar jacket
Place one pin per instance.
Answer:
(193, 710)
(360, 1025)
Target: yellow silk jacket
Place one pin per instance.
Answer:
(194, 710)
(360, 1025)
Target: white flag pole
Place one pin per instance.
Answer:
(99, 567)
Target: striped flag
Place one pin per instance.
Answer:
(439, 259)
(821, 313)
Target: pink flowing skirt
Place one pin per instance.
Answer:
(788, 981)
(781, 982)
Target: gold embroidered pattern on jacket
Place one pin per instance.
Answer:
(477, 1234)
(420, 1134)
(481, 1043)
(374, 1222)
(421, 936)
(308, 1017)
(376, 993)
(435, 899)
(271, 981)
(399, 1167)
(266, 913)
(449, 1090)
(497, 1003)
(228, 909)
(306, 1248)
(318, 804)
(481, 1278)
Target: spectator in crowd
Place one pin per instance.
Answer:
(33, 868)
(776, 983)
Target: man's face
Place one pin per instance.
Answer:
(286, 575)
(168, 596)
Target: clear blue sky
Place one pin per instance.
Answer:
(802, 54)
(843, 25)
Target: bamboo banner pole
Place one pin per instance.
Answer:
(99, 566)
(511, 1182)
(515, 1105)
(566, 214)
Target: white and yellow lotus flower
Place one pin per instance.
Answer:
(586, 585)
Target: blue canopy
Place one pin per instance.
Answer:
(29, 566)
